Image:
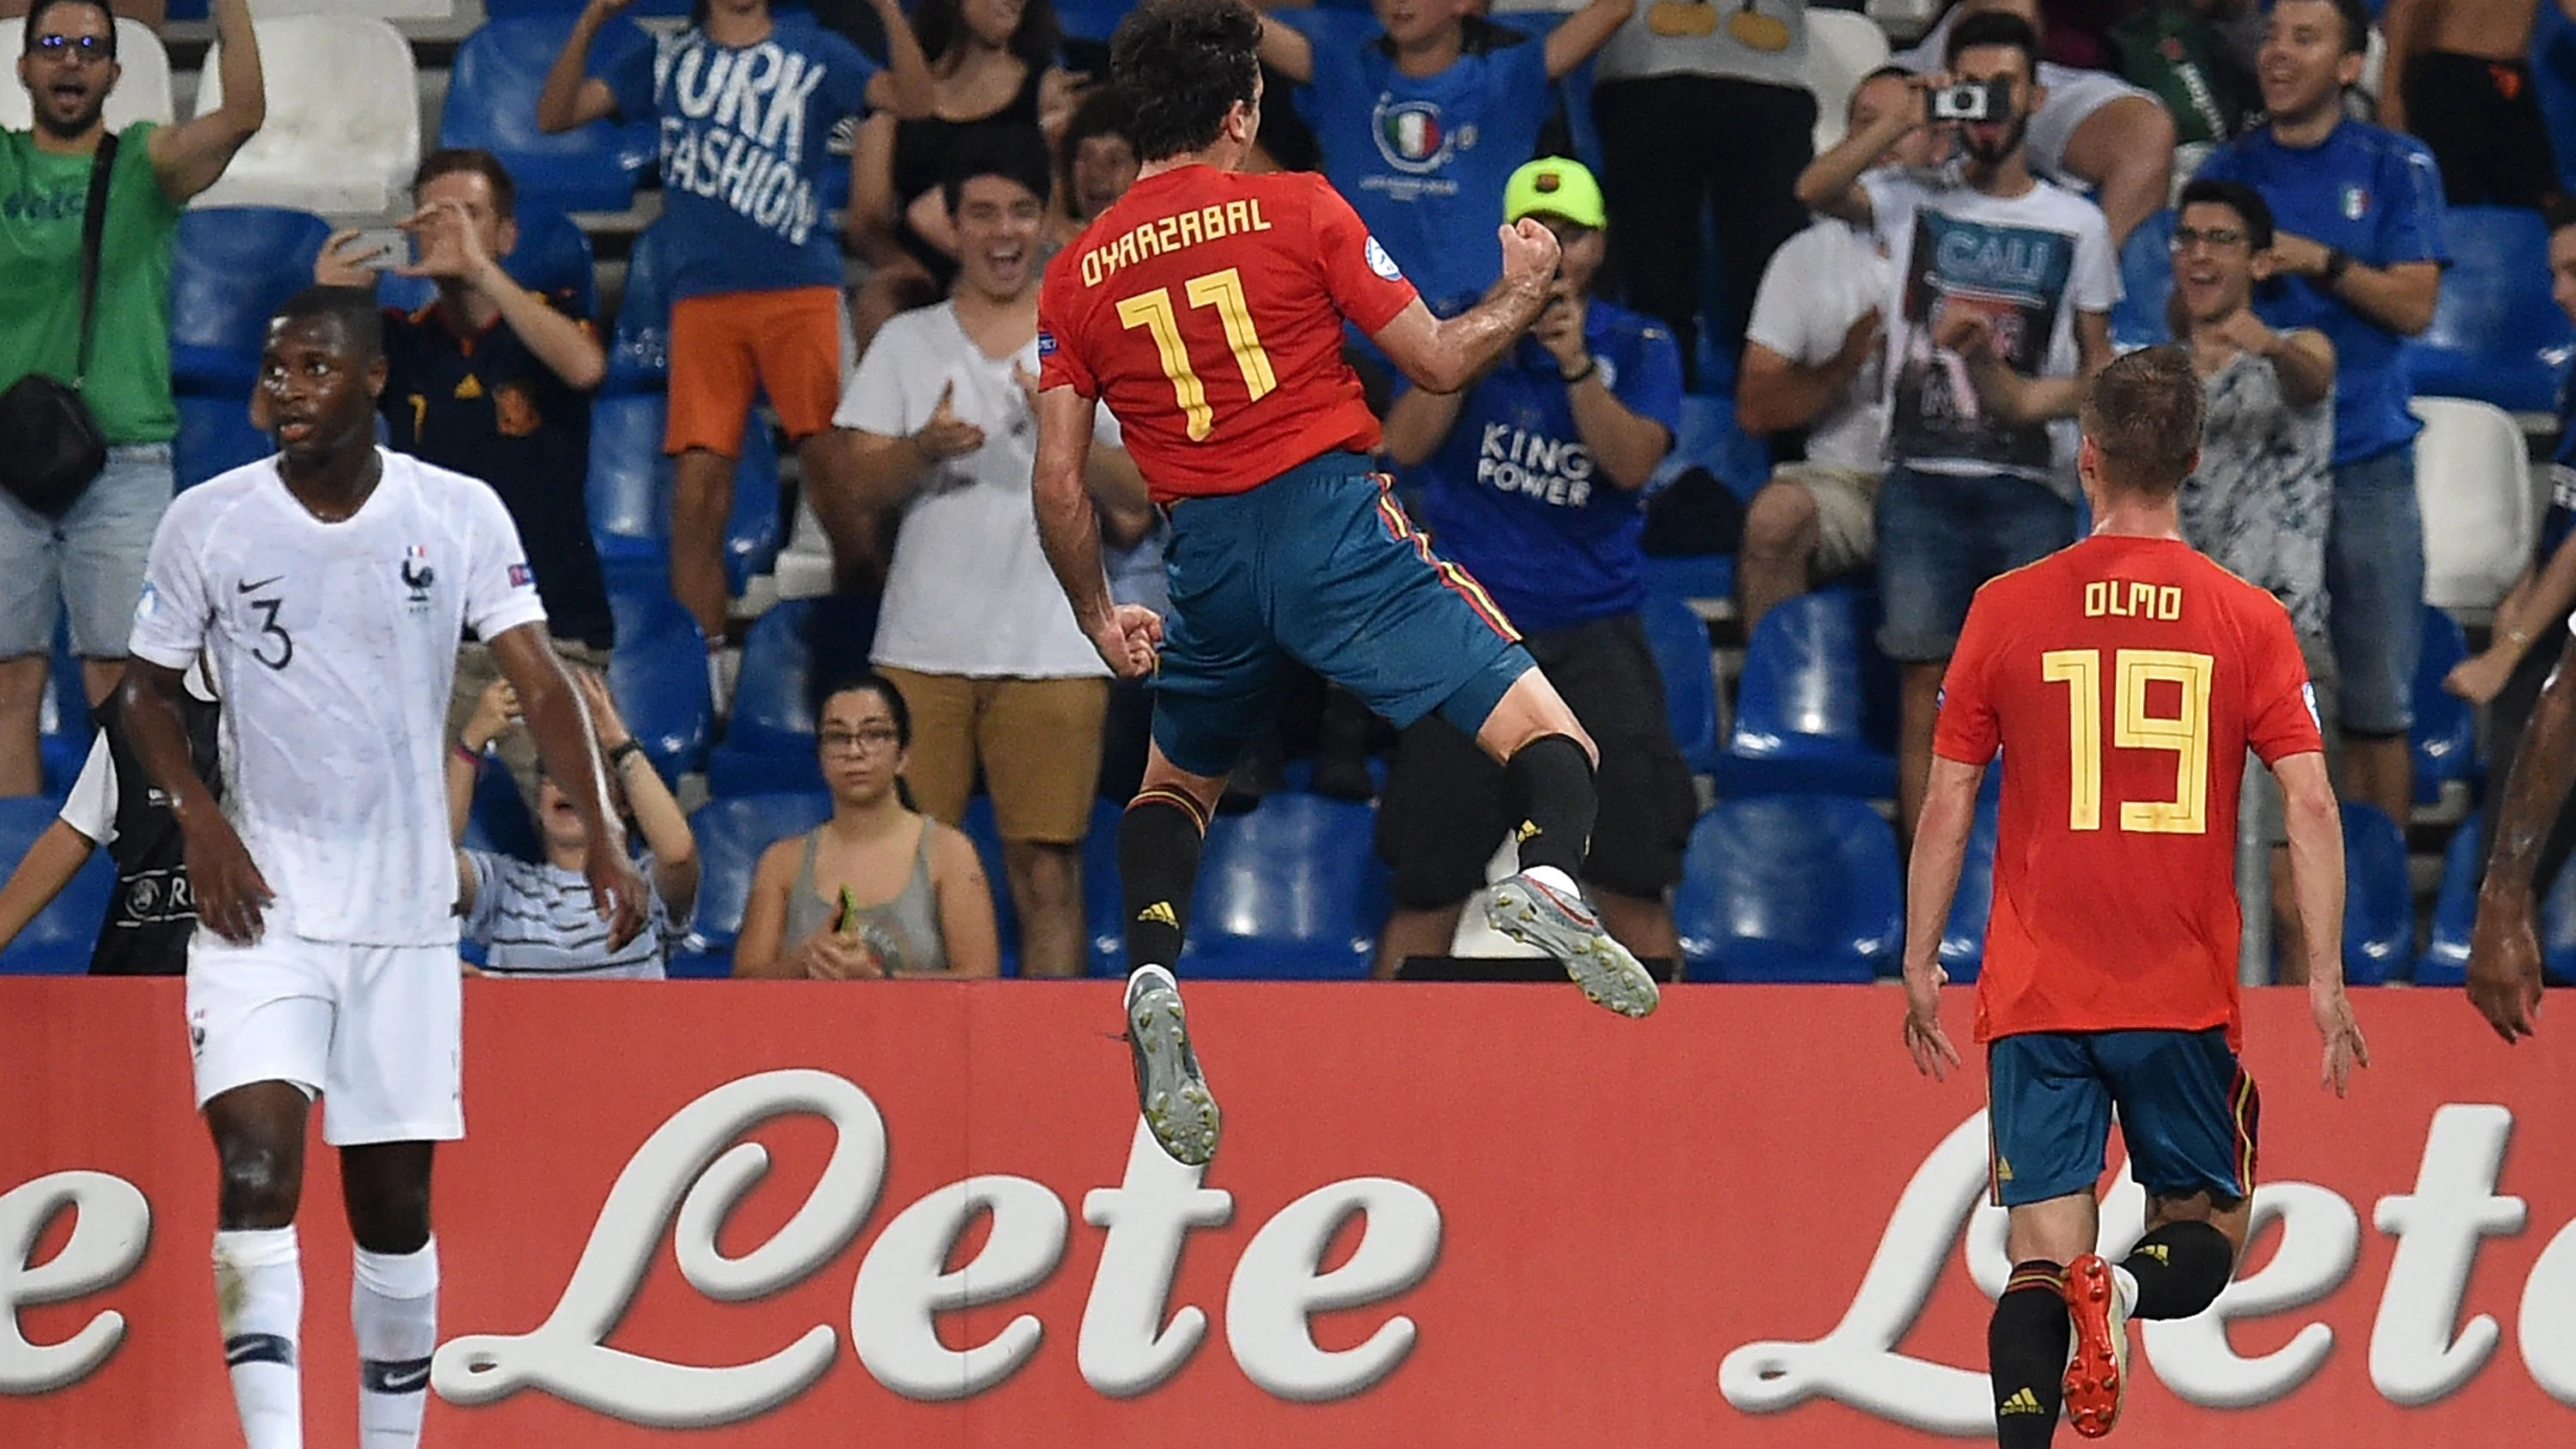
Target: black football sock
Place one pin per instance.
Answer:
(2026, 1344)
(1158, 865)
(2180, 1268)
(1550, 778)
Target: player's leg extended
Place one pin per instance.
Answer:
(2191, 1117)
(259, 1276)
(393, 1303)
(1158, 867)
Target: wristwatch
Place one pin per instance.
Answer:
(2337, 262)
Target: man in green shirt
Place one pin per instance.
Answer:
(92, 557)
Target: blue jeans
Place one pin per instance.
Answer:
(2375, 590)
(91, 558)
(1941, 535)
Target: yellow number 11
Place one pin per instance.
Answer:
(1224, 292)
(2133, 728)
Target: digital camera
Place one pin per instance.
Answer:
(1972, 101)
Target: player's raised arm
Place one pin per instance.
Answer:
(570, 750)
(2504, 951)
(1445, 355)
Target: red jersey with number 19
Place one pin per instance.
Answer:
(1206, 307)
(2124, 679)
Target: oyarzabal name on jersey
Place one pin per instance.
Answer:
(1187, 229)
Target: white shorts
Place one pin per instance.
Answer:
(378, 1031)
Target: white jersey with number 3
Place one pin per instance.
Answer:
(334, 645)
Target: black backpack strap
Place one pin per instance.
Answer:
(93, 237)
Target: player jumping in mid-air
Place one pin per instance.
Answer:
(1207, 308)
(2124, 679)
(328, 587)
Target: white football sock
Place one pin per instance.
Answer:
(393, 1302)
(2125, 1283)
(259, 1305)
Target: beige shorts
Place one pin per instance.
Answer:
(1846, 515)
(1037, 739)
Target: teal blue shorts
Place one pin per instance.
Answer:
(2187, 1110)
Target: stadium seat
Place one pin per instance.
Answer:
(1692, 576)
(2445, 736)
(1842, 47)
(2496, 336)
(142, 89)
(1104, 905)
(2553, 74)
(658, 676)
(2472, 482)
(660, 8)
(59, 940)
(2146, 281)
(980, 827)
(2378, 903)
(1783, 888)
(1292, 890)
(1963, 938)
(731, 835)
(553, 256)
(2445, 961)
(769, 742)
(639, 343)
(492, 103)
(2558, 927)
(629, 492)
(215, 436)
(230, 270)
(1710, 439)
(1682, 656)
(1811, 710)
(343, 128)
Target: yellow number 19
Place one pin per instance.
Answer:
(2133, 727)
(1224, 292)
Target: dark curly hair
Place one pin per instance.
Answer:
(1182, 64)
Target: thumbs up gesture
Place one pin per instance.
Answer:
(947, 435)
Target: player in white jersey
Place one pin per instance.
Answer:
(328, 586)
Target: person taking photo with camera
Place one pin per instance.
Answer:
(1998, 260)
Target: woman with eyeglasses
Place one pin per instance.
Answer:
(879, 891)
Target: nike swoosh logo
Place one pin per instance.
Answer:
(263, 583)
(406, 1383)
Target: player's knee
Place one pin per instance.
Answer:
(393, 1218)
(258, 1183)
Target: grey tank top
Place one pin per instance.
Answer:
(904, 931)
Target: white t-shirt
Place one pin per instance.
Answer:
(91, 806)
(1818, 284)
(333, 646)
(969, 591)
(2073, 96)
(2029, 263)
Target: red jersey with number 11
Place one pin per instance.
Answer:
(2124, 679)
(1206, 307)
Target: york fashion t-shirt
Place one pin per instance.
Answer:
(1515, 496)
(43, 198)
(745, 136)
(1819, 283)
(334, 646)
(969, 591)
(2026, 263)
(1423, 159)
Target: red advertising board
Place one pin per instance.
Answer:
(1444, 1216)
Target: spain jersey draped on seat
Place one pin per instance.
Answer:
(2123, 681)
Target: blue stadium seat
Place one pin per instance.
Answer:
(1812, 712)
(1691, 576)
(639, 341)
(2378, 903)
(2553, 73)
(1790, 888)
(2445, 737)
(2146, 276)
(59, 940)
(215, 436)
(1104, 904)
(662, 8)
(731, 835)
(492, 103)
(769, 743)
(658, 676)
(230, 270)
(1963, 938)
(2496, 335)
(630, 493)
(1091, 19)
(553, 256)
(1710, 439)
(1681, 648)
(1292, 890)
(2445, 961)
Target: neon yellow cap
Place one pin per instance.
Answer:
(1556, 186)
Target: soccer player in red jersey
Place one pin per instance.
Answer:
(1206, 308)
(2123, 679)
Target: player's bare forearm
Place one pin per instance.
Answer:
(2315, 826)
(1940, 848)
(565, 740)
(2537, 788)
(47, 867)
(148, 701)
(1068, 525)
(1446, 354)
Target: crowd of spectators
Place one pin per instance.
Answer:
(1907, 318)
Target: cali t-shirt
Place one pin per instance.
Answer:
(1819, 283)
(969, 591)
(43, 197)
